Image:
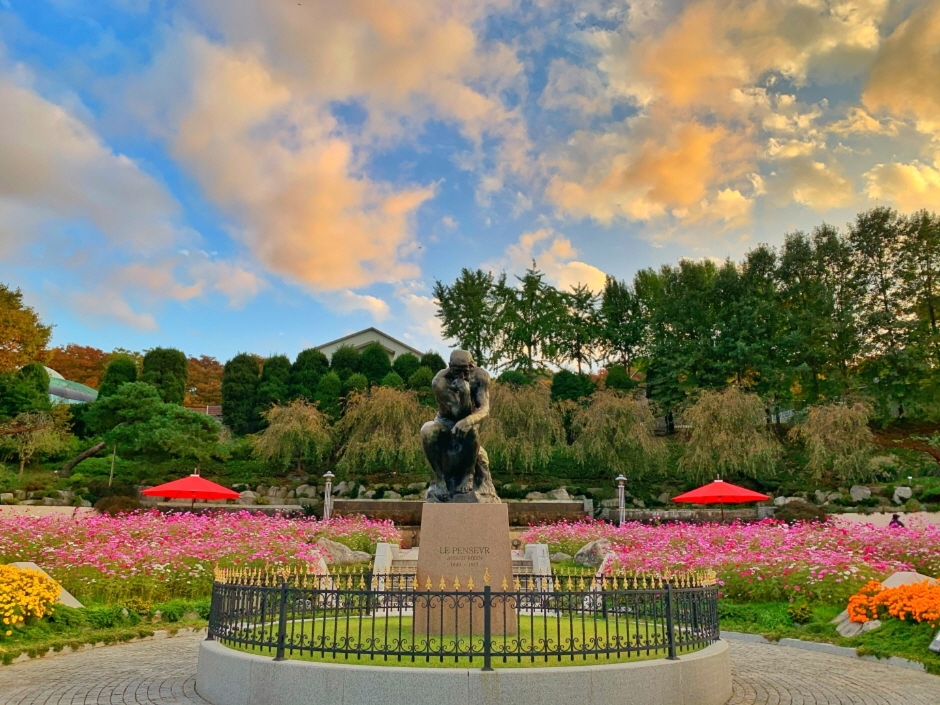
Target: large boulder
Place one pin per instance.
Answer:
(247, 497)
(559, 557)
(906, 577)
(592, 554)
(561, 494)
(391, 495)
(536, 495)
(7, 498)
(901, 494)
(859, 493)
(339, 554)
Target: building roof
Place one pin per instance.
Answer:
(379, 334)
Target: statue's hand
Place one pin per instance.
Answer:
(462, 427)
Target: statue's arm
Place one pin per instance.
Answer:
(481, 403)
(447, 399)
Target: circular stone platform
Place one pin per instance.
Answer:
(229, 677)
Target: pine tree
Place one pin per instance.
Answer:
(374, 363)
(119, 371)
(239, 393)
(306, 372)
(167, 369)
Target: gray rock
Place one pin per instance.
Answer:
(261, 489)
(780, 501)
(53, 502)
(157, 616)
(19, 494)
(592, 554)
(639, 503)
(125, 613)
(341, 488)
(411, 497)
(86, 503)
(843, 616)
(871, 624)
(368, 495)
(417, 486)
(7, 498)
(664, 498)
(362, 492)
(536, 495)
(935, 644)
(901, 494)
(66, 495)
(30, 502)
(561, 494)
(821, 496)
(859, 492)
(849, 629)
(339, 554)
(301, 489)
(391, 495)
(247, 497)
(833, 496)
(557, 557)
(423, 494)
(291, 495)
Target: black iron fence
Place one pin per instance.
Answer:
(369, 618)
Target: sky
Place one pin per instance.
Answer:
(268, 175)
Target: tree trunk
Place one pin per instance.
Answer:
(66, 469)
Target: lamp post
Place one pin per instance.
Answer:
(328, 496)
(621, 500)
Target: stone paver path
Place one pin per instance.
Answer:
(163, 672)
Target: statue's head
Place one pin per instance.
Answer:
(461, 362)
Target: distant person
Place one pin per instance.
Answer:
(896, 522)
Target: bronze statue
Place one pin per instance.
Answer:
(452, 440)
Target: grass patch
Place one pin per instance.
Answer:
(397, 633)
(772, 620)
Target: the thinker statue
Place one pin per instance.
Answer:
(452, 440)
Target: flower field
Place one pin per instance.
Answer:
(766, 561)
(159, 557)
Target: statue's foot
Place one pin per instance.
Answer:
(464, 487)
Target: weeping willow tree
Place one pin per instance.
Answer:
(615, 431)
(730, 435)
(838, 441)
(523, 428)
(296, 433)
(381, 431)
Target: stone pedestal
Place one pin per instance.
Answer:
(460, 542)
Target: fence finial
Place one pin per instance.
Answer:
(486, 576)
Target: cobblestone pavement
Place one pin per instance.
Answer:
(163, 672)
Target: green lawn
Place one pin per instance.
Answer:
(388, 633)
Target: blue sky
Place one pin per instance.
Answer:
(248, 175)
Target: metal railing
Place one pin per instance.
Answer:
(368, 618)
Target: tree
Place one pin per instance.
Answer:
(120, 370)
(345, 361)
(618, 378)
(23, 336)
(380, 432)
(32, 433)
(37, 378)
(420, 382)
(79, 363)
(204, 381)
(528, 316)
(615, 431)
(306, 372)
(433, 361)
(524, 428)
(274, 384)
(329, 393)
(357, 383)
(296, 433)
(579, 329)
(838, 442)
(624, 326)
(567, 385)
(19, 395)
(374, 363)
(167, 370)
(138, 421)
(467, 309)
(406, 365)
(730, 436)
(393, 380)
(239, 392)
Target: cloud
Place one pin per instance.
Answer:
(574, 88)
(347, 301)
(56, 169)
(820, 185)
(641, 176)
(554, 255)
(905, 77)
(909, 186)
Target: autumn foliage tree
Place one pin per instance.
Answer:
(79, 363)
(204, 382)
(23, 336)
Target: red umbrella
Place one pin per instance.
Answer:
(193, 487)
(720, 492)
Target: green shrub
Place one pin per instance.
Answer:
(798, 510)
(112, 506)
(67, 617)
(173, 610)
(800, 612)
(105, 617)
(912, 505)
